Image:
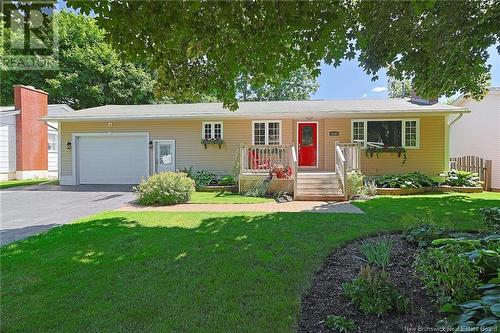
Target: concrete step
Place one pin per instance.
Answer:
(319, 192)
(303, 197)
(333, 186)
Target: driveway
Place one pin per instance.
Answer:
(29, 210)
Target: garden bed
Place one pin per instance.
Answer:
(217, 188)
(325, 295)
(430, 189)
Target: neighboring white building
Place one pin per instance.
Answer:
(11, 144)
(478, 133)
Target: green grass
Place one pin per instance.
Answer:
(15, 183)
(192, 272)
(224, 198)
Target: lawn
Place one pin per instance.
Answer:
(193, 272)
(224, 198)
(15, 183)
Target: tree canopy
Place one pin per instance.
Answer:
(90, 73)
(398, 88)
(205, 46)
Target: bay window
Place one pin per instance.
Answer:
(266, 132)
(386, 133)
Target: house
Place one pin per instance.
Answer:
(29, 145)
(478, 133)
(316, 142)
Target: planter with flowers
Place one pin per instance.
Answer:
(377, 150)
(212, 141)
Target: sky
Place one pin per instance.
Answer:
(349, 81)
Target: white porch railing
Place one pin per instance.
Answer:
(259, 159)
(341, 167)
(351, 153)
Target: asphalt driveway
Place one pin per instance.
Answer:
(29, 210)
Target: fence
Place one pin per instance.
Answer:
(474, 164)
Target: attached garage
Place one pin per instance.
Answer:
(111, 158)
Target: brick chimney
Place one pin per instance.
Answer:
(31, 132)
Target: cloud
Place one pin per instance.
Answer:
(379, 89)
(365, 95)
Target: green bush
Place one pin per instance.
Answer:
(478, 315)
(204, 178)
(354, 184)
(259, 189)
(408, 180)
(447, 276)
(227, 180)
(166, 188)
(461, 178)
(491, 217)
(377, 253)
(373, 293)
(340, 324)
(424, 234)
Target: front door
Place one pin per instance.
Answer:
(308, 144)
(165, 155)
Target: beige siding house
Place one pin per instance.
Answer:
(316, 141)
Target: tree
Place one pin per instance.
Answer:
(90, 71)
(206, 46)
(398, 88)
(299, 86)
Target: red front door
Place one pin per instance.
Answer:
(308, 144)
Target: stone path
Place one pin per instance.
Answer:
(270, 207)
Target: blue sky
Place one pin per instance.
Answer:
(350, 81)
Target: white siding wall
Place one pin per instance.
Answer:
(7, 145)
(53, 160)
(478, 133)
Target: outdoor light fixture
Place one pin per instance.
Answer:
(150, 144)
(68, 145)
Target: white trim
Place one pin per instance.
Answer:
(266, 122)
(59, 140)
(155, 142)
(317, 144)
(403, 130)
(212, 125)
(74, 148)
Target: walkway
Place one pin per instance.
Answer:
(269, 207)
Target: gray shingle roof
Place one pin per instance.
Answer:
(272, 110)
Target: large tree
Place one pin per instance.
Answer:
(90, 71)
(299, 86)
(204, 46)
(398, 88)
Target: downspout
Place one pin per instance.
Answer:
(447, 141)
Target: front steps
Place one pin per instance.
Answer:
(319, 186)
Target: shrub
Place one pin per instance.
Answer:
(166, 188)
(447, 276)
(377, 253)
(354, 183)
(461, 178)
(478, 315)
(373, 293)
(204, 178)
(408, 180)
(424, 234)
(340, 324)
(369, 189)
(491, 217)
(258, 190)
(227, 180)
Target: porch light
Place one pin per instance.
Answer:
(150, 144)
(68, 145)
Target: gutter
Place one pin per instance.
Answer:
(47, 123)
(460, 115)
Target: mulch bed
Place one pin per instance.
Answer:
(325, 295)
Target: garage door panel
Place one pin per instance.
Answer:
(112, 159)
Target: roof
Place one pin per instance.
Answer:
(53, 110)
(268, 109)
(460, 98)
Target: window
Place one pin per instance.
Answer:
(388, 133)
(212, 130)
(267, 132)
(52, 141)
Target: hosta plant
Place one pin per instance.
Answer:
(461, 178)
(340, 324)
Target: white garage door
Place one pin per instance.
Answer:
(113, 159)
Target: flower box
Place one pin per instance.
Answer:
(212, 142)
